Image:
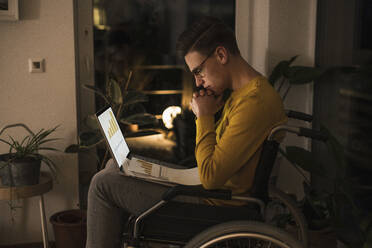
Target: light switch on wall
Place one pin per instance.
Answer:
(35, 65)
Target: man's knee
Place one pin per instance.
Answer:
(102, 177)
(101, 180)
(111, 165)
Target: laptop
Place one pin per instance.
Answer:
(139, 166)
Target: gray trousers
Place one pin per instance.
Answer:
(112, 198)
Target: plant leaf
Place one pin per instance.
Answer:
(17, 125)
(48, 148)
(133, 97)
(97, 91)
(280, 69)
(115, 92)
(51, 165)
(6, 142)
(91, 122)
(90, 139)
(303, 74)
(278, 72)
(74, 148)
(290, 61)
(140, 119)
(48, 140)
(304, 159)
(42, 134)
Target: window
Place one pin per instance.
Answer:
(138, 38)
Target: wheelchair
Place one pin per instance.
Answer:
(178, 224)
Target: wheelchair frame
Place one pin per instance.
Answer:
(260, 190)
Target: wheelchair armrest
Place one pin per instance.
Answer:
(300, 131)
(299, 115)
(312, 133)
(197, 191)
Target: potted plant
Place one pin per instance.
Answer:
(21, 164)
(128, 110)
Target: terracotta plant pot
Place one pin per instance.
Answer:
(70, 228)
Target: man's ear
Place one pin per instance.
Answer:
(222, 55)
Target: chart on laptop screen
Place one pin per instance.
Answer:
(114, 135)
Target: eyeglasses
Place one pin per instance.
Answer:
(198, 70)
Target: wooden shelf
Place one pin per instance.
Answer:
(159, 67)
(13, 193)
(162, 92)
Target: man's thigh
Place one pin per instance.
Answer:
(134, 195)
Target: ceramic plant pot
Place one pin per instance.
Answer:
(19, 172)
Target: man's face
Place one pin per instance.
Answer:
(206, 71)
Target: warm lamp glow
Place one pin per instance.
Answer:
(169, 114)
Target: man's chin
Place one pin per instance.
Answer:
(216, 93)
(210, 91)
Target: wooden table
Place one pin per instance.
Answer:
(19, 192)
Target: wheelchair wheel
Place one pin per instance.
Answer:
(243, 234)
(282, 204)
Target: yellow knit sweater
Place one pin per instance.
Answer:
(228, 152)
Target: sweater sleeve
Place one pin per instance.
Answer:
(246, 130)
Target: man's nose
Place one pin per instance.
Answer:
(199, 81)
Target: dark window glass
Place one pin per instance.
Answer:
(138, 37)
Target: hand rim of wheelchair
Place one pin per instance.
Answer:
(243, 229)
(300, 220)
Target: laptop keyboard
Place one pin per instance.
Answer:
(155, 161)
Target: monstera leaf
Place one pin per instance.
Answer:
(87, 140)
(114, 92)
(303, 74)
(294, 74)
(280, 69)
(91, 122)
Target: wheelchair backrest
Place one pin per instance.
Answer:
(263, 171)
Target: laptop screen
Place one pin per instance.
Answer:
(113, 135)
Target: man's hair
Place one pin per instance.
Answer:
(206, 34)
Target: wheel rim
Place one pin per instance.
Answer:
(300, 226)
(255, 236)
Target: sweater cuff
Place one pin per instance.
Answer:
(204, 124)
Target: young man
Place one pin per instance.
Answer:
(227, 153)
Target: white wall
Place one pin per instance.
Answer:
(269, 31)
(41, 100)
